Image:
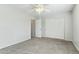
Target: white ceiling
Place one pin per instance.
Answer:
(50, 9)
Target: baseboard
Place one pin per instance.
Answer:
(51, 38)
(76, 45)
(7, 45)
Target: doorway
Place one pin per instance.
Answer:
(33, 28)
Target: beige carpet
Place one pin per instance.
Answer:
(41, 46)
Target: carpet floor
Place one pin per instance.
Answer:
(41, 46)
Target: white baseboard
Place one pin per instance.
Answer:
(76, 45)
(14, 43)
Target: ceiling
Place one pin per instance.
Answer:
(50, 9)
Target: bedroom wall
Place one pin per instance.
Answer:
(76, 26)
(57, 26)
(57, 23)
(68, 27)
(38, 28)
(54, 27)
(14, 26)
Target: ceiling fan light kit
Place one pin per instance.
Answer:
(39, 8)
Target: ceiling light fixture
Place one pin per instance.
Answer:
(39, 8)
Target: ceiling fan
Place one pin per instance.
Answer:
(40, 8)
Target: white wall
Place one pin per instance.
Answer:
(76, 26)
(38, 28)
(14, 26)
(68, 27)
(57, 26)
(54, 27)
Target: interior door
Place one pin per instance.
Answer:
(33, 25)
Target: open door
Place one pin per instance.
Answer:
(33, 25)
